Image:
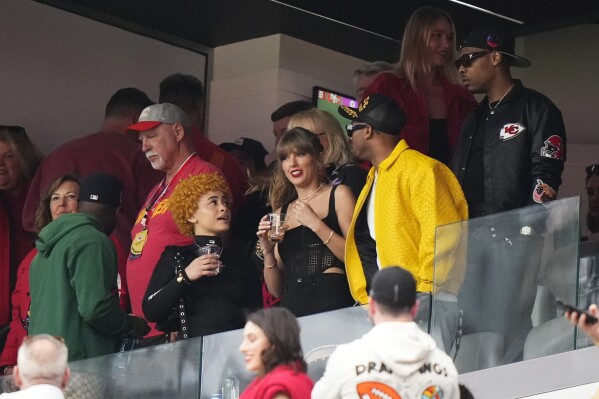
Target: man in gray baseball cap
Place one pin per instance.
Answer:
(157, 114)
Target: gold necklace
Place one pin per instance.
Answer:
(500, 100)
(312, 194)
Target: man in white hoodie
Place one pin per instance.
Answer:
(395, 359)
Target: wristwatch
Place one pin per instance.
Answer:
(180, 278)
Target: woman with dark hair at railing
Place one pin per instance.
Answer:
(271, 347)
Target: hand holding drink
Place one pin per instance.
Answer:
(210, 249)
(277, 227)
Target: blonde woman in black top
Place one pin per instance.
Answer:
(307, 268)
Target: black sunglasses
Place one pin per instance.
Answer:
(353, 128)
(592, 169)
(467, 59)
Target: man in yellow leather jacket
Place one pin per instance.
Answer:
(406, 196)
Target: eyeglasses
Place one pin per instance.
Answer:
(353, 128)
(467, 59)
(592, 169)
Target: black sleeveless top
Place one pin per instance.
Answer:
(303, 253)
(438, 142)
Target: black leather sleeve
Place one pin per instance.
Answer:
(163, 290)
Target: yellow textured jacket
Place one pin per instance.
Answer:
(414, 195)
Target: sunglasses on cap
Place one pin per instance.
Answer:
(592, 169)
(354, 128)
(467, 59)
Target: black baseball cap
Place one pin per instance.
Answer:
(379, 111)
(101, 188)
(495, 39)
(394, 287)
(253, 147)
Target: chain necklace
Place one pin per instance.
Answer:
(500, 100)
(312, 194)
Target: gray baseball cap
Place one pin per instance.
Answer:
(156, 114)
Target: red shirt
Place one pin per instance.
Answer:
(15, 244)
(161, 232)
(283, 379)
(110, 152)
(20, 313)
(458, 103)
(4, 266)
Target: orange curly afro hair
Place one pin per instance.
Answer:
(184, 200)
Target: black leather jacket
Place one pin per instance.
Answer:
(524, 150)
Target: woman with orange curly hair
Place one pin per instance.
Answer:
(194, 293)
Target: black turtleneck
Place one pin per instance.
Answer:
(213, 303)
(200, 241)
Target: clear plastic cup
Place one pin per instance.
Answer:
(210, 249)
(277, 226)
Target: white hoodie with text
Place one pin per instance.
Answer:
(394, 360)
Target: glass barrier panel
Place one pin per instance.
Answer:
(158, 372)
(212, 365)
(496, 281)
(588, 290)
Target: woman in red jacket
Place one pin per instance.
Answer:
(271, 347)
(61, 197)
(19, 159)
(425, 84)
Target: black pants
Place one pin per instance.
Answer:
(316, 294)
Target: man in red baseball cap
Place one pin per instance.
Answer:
(166, 140)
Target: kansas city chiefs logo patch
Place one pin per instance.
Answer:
(553, 148)
(511, 130)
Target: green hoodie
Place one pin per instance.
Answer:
(72, 281)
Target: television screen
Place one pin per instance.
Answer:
(330, 100)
